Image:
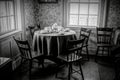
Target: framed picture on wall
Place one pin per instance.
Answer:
(47, 1)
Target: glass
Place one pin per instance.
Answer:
(11, 23)
(7, 21)
(83, 9)
(74, 8)
(2, 9)
(3, 24)
(73, 20)
(93, 9)
(10, 8)
(83, 20)
(92, 21)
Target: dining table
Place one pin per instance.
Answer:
(52, 43)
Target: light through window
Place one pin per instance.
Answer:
(7, 16)
(83, 13)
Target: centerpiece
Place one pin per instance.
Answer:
(55, 28)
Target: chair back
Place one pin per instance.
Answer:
(24, 48)
(32, 29)
(104, 35)
(74, 48)
(118, 40)
(85, 33)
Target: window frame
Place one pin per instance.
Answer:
(17, 18)
(101, 20)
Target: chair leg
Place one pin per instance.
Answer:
(109, 50)
(103, 51)
(96, 54)
(56, 75)
(43, 63)
(81, 71)
(69, 70)
(21, 63)
(87, 52)
(30, 67)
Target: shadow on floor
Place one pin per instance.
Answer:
(91, 71)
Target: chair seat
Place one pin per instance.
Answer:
(70, 58)
(35, 56)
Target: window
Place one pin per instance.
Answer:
(84, 13)
(7, 16)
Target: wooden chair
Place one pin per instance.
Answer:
(27, 54)
(85, 33)
(104, 37)
(73, 55)
(117, 69)
(115, 58)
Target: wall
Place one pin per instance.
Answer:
(29, 10)
(114, 14)
(48, 13)
(114, 17)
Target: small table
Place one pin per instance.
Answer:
(5, 67)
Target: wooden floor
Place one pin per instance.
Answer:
(92, 71)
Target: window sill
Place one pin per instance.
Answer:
(8, 34)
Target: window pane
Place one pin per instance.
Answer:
(9, 28)
(7, 16)
(93, 9)
(74, 0)
(3, 24)
(84, 0)
(73, 8)
(83, 13)
(73, 20)
(2, 9)
(92, 21)
(12, 21)
(83, 9)
(94, 0)
(10, 8)
(83, 19)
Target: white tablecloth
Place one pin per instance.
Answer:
(51, 43)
